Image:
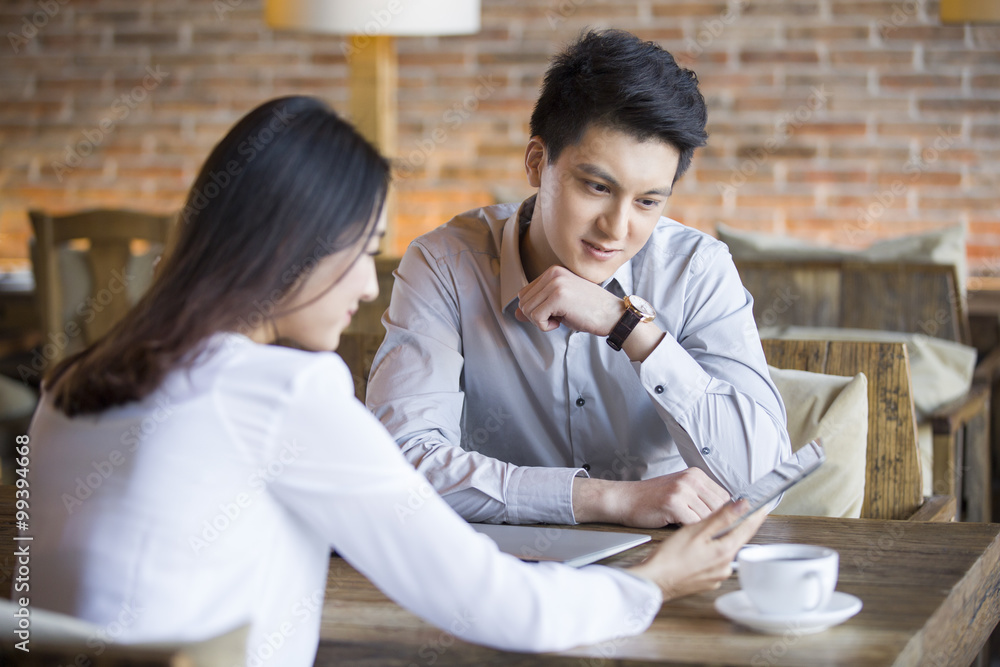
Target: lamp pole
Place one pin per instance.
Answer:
(374, 73)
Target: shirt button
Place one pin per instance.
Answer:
(586, 466)
(581, 402)
(706, 451)
(658, 389)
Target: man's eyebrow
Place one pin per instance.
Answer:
(597, 172)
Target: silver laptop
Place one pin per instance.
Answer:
(562, 545)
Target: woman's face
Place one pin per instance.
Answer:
(317, 325)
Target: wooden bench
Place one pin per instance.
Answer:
(892, 472)
(909, 298)
(912, 298)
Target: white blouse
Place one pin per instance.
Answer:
(215, 501)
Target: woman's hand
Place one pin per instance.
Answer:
(690, 561)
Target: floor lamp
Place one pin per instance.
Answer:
(372, 26)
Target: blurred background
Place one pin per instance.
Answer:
(831, 120)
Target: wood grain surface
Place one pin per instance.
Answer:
(893, 485)
(930, 594)
(915, 298)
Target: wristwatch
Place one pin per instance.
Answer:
(637, 310)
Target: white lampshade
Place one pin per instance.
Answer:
(375, 17)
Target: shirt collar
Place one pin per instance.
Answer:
(620, 282)
(512, 277)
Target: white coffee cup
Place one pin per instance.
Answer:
(788, 578)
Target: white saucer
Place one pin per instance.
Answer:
(736, 606)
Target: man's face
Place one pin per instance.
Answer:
(597, 203)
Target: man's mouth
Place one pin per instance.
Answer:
(598, 251)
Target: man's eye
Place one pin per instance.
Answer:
(597, 187)
(649, 203)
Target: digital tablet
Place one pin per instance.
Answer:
(570, 546)
(789, 472)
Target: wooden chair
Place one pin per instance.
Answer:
(909, 298)
(912, 298)
(110, 233)
(47, 655)
(892, 480)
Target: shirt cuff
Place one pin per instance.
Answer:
(541, 495)
(672, 377)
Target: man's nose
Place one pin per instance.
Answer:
(614, 222)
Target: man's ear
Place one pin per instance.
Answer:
(534, 160)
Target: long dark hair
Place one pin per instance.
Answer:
(290, 184)
(613, 79)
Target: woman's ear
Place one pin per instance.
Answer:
(534, 160)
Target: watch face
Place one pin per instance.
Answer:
(643, 306)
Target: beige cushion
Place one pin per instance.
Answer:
(939, 246)
(940, 370)
(835, 409)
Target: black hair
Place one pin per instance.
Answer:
(288, 185)
(612, 79)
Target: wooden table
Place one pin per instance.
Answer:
(931, 594)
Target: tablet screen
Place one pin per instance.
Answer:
(789, 472)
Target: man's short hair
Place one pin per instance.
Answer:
(612, 79)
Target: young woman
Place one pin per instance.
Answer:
(190, 477)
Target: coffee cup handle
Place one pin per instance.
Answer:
(815, 577)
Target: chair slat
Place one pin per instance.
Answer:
(892, 477)
(110, 233)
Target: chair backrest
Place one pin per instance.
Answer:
(47, 655)
(110, 233)
(893, 486)
(913, 298)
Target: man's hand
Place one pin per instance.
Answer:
(685, 497)
(559, 296)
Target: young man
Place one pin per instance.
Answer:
(578, 357)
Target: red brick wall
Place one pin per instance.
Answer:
(842, 121)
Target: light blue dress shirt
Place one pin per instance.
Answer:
(500, 416)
